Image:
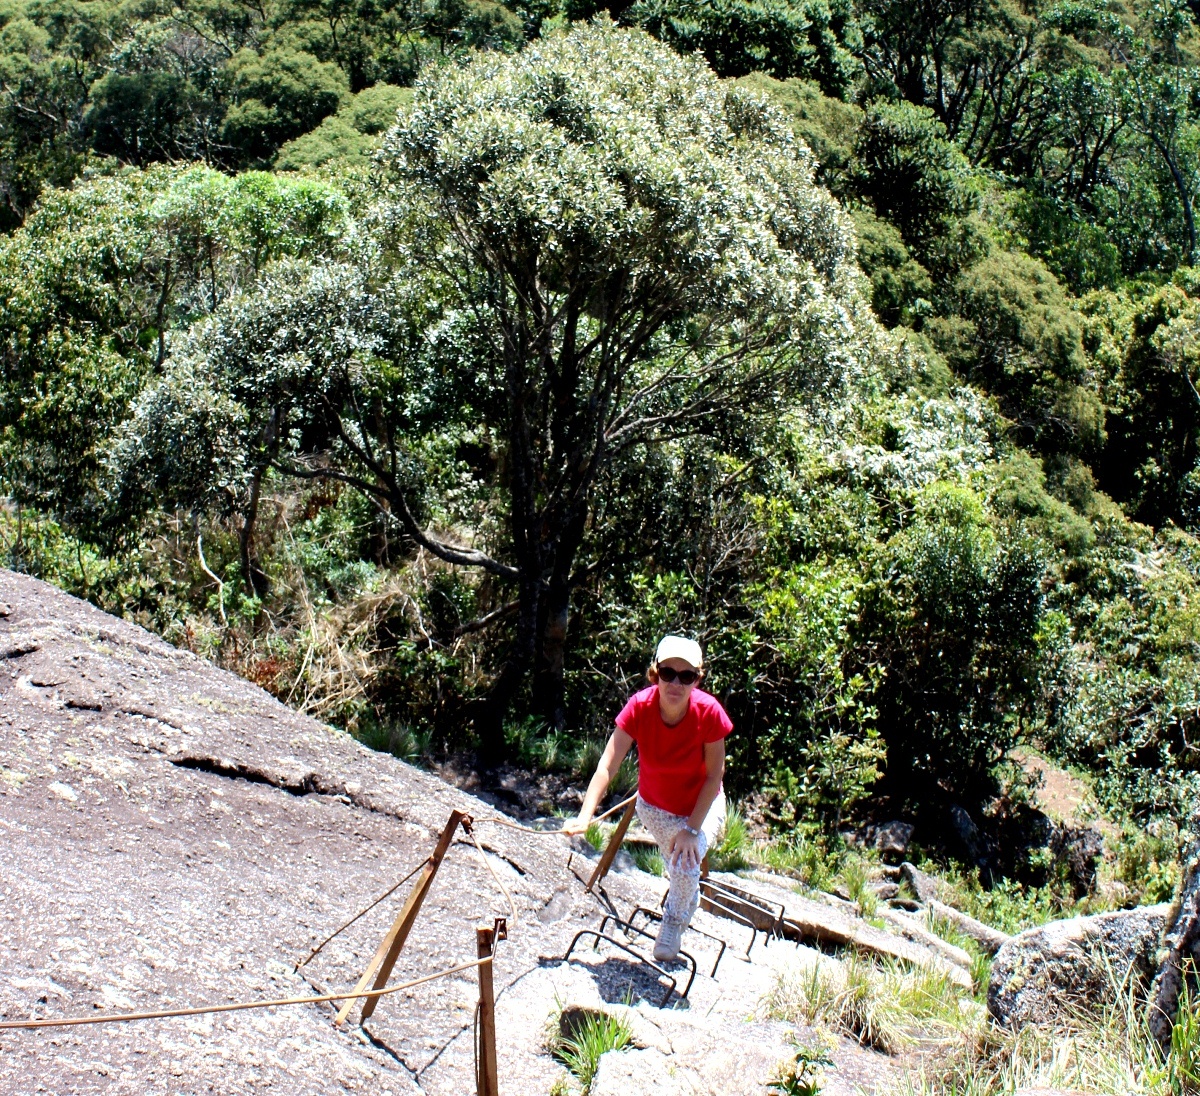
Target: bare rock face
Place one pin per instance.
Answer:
(172, 836)
(1066, 965)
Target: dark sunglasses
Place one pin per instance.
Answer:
(686, 677)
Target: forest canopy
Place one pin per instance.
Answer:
(426, 361)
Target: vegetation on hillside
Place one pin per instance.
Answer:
(426, 361)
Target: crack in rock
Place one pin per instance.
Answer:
(494, 852)
(381, 1045)
(311, 783)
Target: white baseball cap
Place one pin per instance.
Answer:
(678, 647)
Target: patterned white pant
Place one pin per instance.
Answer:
(683, 896)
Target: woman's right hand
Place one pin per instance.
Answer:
(574, 826)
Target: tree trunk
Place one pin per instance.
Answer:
(550, 684)
(490, 712)
(1178, 951)
(252, 574)
(549, 693)
(1185, 198)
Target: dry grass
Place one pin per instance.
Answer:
(883, 1005)
(1104, 1049)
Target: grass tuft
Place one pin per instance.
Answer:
(596, 1034)
(885, 1006)
(648, 858)
(856, 878)
(734, 850)
(596, 835)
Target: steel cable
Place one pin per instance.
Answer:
(237, 1006)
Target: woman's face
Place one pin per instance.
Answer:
(675, 692)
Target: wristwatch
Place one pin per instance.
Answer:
(688, 829)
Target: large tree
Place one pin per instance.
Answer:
(587, 249)
(91, 289)
(642, 250)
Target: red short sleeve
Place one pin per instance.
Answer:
(627, 717)
(715, 723)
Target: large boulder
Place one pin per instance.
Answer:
(1049, 971)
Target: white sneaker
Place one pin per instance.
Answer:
(666, 946)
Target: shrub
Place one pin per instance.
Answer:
(915, 176)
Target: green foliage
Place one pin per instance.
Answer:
(810, 858)
(91, 288)
(423, 501)
(596, 836)
(901, 288)
(916, 178)
(732, 852)
(815, 40)
(885, 1007)
(827, 125)
(1080, 254)
(400, 741)
(1105, 1048)
(558, 167)
(649, 859)
(277, 96)
(1183, 1060)
(954, 611)
(595, 1034)
(803, 1076)
(827, 752)
(219, 81)
(1007, 904)
(1126, 709)
(855, 877)
(1146, 346)
(1147, 864)
(351, 135)
(1014, 333)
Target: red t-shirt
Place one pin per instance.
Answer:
(671, 769)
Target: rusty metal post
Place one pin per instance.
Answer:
(486, 1070)
(613, 846)
(390, 947)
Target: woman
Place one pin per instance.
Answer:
(680, 733)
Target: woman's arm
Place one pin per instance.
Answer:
(686, 845)
(614, 753)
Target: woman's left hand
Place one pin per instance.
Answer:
(685, 850)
